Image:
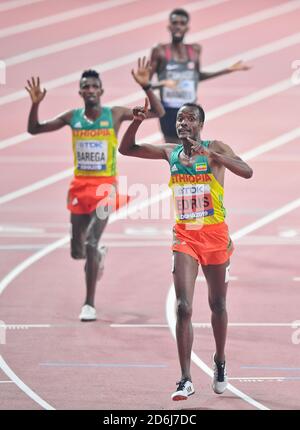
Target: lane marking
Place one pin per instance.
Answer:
(115, 325)
(207, 325)
(27, 390)
(201, 278)
(14, 4)
(62, 17)
(106, 33)
(112, 365)
(131, 58)
(265, 378)
(271, 368)
(6, 382)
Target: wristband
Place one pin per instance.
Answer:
(147, 87)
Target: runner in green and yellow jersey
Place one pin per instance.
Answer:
(200, 234)
(93, 190)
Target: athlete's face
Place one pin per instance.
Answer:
(91, 91)
(178, 27)
(188, 123)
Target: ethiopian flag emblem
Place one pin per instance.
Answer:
(201, 167)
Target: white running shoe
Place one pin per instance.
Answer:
(103, 251)
(220, 376)
(88, 313)
(184, 390)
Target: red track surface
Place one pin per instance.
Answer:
(71, 365)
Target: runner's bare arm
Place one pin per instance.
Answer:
(37, 95)
(236, 67)
(129, 147)
(142, 77)
(222, 154)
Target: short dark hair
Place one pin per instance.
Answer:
(90, 74)
(199, 109)
(181, 12)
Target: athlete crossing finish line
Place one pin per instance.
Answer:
(93, 191)
(200, 234)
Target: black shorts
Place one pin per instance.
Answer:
(168, 122)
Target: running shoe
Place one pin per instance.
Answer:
(184, 390)
(220, 376)
(88, 313)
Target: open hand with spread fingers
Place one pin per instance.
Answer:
(35, 91)
(142, 75)
(239, 66)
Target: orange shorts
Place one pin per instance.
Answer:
(86, 193)
(210, 244)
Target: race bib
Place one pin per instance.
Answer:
(91, 154)
(193, 201)
(183, 93)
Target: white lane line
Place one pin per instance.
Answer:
(274, 143)
(295, 204)
(251, 99)
(28, 391)
(265, 378)
(6, 382)
(135, 96)
(36, 186)
(127, 59)
(296, 279)
(106, 33)
(115, 244)
(195, 324)
(202, 278)
(14, 140)
(14, 4)
(62, 17)
(29, 261)
(23, 326)
(208, 325)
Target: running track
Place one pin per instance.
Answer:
(128, 358)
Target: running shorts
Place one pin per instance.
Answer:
(87, 193)
(210, 244)
(168, 122)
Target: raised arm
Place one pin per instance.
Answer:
(128, 145)
(37, 95)
(222, 154)
(236, 67)
(141, 76)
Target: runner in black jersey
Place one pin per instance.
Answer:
(177, 66)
